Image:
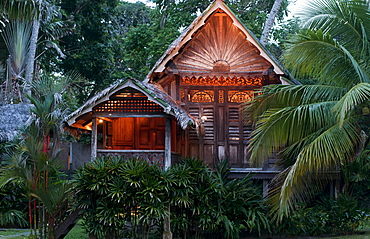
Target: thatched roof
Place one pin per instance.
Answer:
(175, 48)
(153, 91)
(12, 118)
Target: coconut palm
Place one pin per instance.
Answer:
(316, 128)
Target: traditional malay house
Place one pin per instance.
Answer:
(190, 102)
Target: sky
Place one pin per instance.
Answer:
(295, 5)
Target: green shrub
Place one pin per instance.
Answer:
(328, 216)
(120, 197)
(13, 206)
(218, 207)
(130, 198)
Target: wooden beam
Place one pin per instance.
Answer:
(167, 144)
(94, 139)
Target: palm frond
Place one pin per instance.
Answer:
(274, 128)
(279, 96)
(17, 37)
(326, 59)
(333, 147)
(21, 10)
(355, 96)
(344, 20)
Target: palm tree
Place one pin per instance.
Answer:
(34, 164)
(316, 128)
(270, 21)
(27, 26)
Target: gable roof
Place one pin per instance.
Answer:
(233, 38)
(13, 117)
(153, 91)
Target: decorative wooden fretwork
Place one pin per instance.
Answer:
(182, 93)
(151, 157)
(134, 104)
(201, 96)
(235, 96)
(220, 46)
(222, 81)
(221, 96)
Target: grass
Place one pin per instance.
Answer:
(78, 233)
(14, 233)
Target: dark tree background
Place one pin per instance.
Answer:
(104, 40)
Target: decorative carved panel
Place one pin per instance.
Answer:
(201, 96)
(220, 46)
(151, 157)
(182, 97)
(235, 96)
(221, 96)
(222, 81)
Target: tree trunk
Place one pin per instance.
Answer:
(270, 21)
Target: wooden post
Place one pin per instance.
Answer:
(167, 144)
(167, 234)
(94, 139)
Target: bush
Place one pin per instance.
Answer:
(120, 197)
(130, 198)
(328, 216)
(218, 207)
(13, 206)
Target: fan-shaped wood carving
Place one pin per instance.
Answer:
(220, 47)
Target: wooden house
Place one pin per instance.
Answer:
(190, 102)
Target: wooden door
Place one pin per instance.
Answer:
(150, 133)
(123, 133)
(202, 142)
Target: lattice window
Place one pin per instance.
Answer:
(129, 105)
(201, 96)
(239, 96)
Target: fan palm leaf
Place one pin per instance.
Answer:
(16, 35)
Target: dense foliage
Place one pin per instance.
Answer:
(32, 165)
(132, 198)
(329, 216)
(317, 128)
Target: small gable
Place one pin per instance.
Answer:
(128, 97)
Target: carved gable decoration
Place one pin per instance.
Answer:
(220, 47)
(216, 44)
